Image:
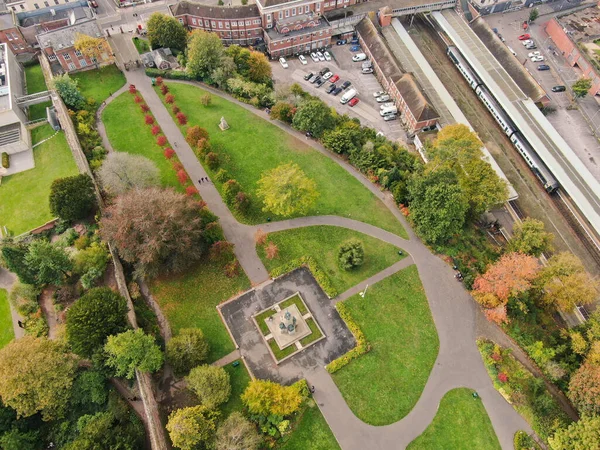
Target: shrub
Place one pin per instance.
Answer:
(230, 190)
(161, 141)
(194, 134)
(169, 152)
(164, 89)
(187, 350)
(132, 89)
(210, 384)
(271, 250)
(72, 198)
(182, 176)
(362, 346)
(138, 99)
(175, 109)
(145, 108)
(159, 81)
(260, 237)
(177, 166)
(212, 160)
(203, 147)
(181, 118)
(170, 99)
(148, 119)
(221, 251)
(523, 441)
(351, 254)
(191, 190)
(96, 256)
(82, 242)
(5, 160)
(232, 269)
(155, 130)
(242, 202)
(206, 99)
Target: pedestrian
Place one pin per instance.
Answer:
(20, 324)
(312, 389)
(200, 181)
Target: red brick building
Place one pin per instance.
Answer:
(11, 35)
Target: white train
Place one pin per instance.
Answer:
(529, 155)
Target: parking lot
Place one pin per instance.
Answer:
(367, 110)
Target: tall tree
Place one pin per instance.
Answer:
(584, 388)
(581, 435)
(237, 433)
(455, 143)
(13, 255)
(205, 51)
(210, 384)
(187, 350)
(581, 87)
(166, 32)
(92, 47)
(286, 190)
(266, 397)
(121, 172)
(49, 262)
(259, 68)
(132, 350)
(69, 91)
(157, 230)
(36, 375)
(314, 116)
(224, 72)
(530, 237)
(100, 313)
(72, 198)
(191, 427)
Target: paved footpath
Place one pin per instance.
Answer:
(455, 315)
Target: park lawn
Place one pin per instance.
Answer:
(239, 379)
(24, 196)
(382, 386)
(322, 243)
(311, 432)
(281, 353)
(461, 423)
(127, 132)
(314, 335)
(189, 300)
(252, 145)
(141, 45)
(36, 83)
(7, 333)
(101, 83)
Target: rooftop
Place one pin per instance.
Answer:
(4, 79)
(6, 21)
(73, 11)
(582, 25)
(214, 12)
(65, 37)
(276, 35)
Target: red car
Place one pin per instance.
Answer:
(334, 78)
(353, 102)
(524, 37)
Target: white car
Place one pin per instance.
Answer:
(527, 42)
(327, 56)
(302, 59)
(320, 56)
(283, 63)
(537, 59)
(383, 98)
(387, 105)
(378, 94)
(532, 54)
(327, 76)
(359, 57)
(314, 57)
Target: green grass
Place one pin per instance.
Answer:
(127, 132)
(99, 84)
(316, 334)
(239, 378)
(36, 83)
(253, 145)
(382, 386)
(7, 333)
(189, 301)
(295, 300)
(141, 45)
(461, 423)
(322, 243)
(24, 195)
(260, 320)
(281, 353)
(311, 432)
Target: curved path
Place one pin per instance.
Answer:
(455, 314)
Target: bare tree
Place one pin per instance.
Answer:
(237, 433)
(123, 171)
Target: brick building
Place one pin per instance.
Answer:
(10, 34)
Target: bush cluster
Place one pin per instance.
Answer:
(5, 160)
(362, 345)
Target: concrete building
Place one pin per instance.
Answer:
(31, 5)
(14, 137)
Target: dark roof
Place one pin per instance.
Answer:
(214, 12)
(267, 3)
(417, 101)
(381, 54)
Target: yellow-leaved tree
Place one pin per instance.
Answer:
(97, 49)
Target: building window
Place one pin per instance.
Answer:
(206, 23)
(268, 17)
(52, 57)
(248, 22)
(214, 24)
(194, 21)
(46, 4)
(326, 5)
(77, 53)
(66, 56)
(82, 63)
(287, 13)
(307, 9)
(56, 2)
(95, 61)
(9, 36)
(36, 6)
(22, 6)
(293, 11)
(242, 33)
(318, 7)
(72, 66)
(226, 24)
(220, 24)
(181, 21)
(15, 47)
(281, 14)
(21, 46)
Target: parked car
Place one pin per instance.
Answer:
(543, 67)
(327, 56)
(354, 40)
(559, 88)
(359, 57)
(308, 76)
(353, 102)
(283, 63)
(327, 76)
(346, 85)
(527, 42)
(332, 87)
(383, 98)
(334, 78)
(524, 37)
(314, 57)
(324, 71)
(337, 91)
(537, 59)
(367, 70)
(386, 105)
(378, 94)
(302, 59)
(315, 79)
(501, 37)
(532, 54)
(389, 117)
(320, 56)
(531, 47)
(341, 42)
(355, 48)
(320, 82)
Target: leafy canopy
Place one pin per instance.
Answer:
(314, 116)
(68, 91)
(49, 262)
(166, 32)
(187, 350)
(205, 51)
(530, 237)
(237, 433)
(121, 172)
(72, 198)
(210, 384)
(581, 87)
(190, 427)
(132, 350)
(266, 397)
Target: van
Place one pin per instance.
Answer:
(348, 96)
(388, 110)
(359, 57)
(511, 50)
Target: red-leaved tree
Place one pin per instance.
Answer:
(182, 176)
(169, 152)
(169, 98)
(145, 108)
(161, 140)
(149, 119)
(191, 190)
(138, 99)
(132, 89)
(194, 134)
(181, 118)
(158, 81)
(175, 109)
(584, 388)
(497, 315)
(155, 130)
(164, 89)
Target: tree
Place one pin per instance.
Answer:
(581, 435)
(584, 388)
(190, 427)
(122, 171)
(187, 350)
(49, 262)
(13, 255)
(266, 397)
(344, 139)
(194, 134)
(259, 68)
(68, 91)
(95, 316)
(314, 116)
(534, 14)
(283, 111)
(581, 87)
(16, 439)
(36, 375)
(237, 433)
(455, 143)
(157, 230)
(210, 384)
(438, 206)
(224, 72)
(91, 47)
(72, 198)
(511, 275)
(94, 257)
(132, 350)
(351, 254)
(286, 190)
(529, 237)
(204, 53)
(166, 32)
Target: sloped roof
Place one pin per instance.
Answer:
(65, 37)
(214, 12)
(415, 99)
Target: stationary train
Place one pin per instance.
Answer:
(529, 155)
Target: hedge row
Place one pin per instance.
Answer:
(362, 346)
(5, 160)
(170, 74)
(307, 261)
